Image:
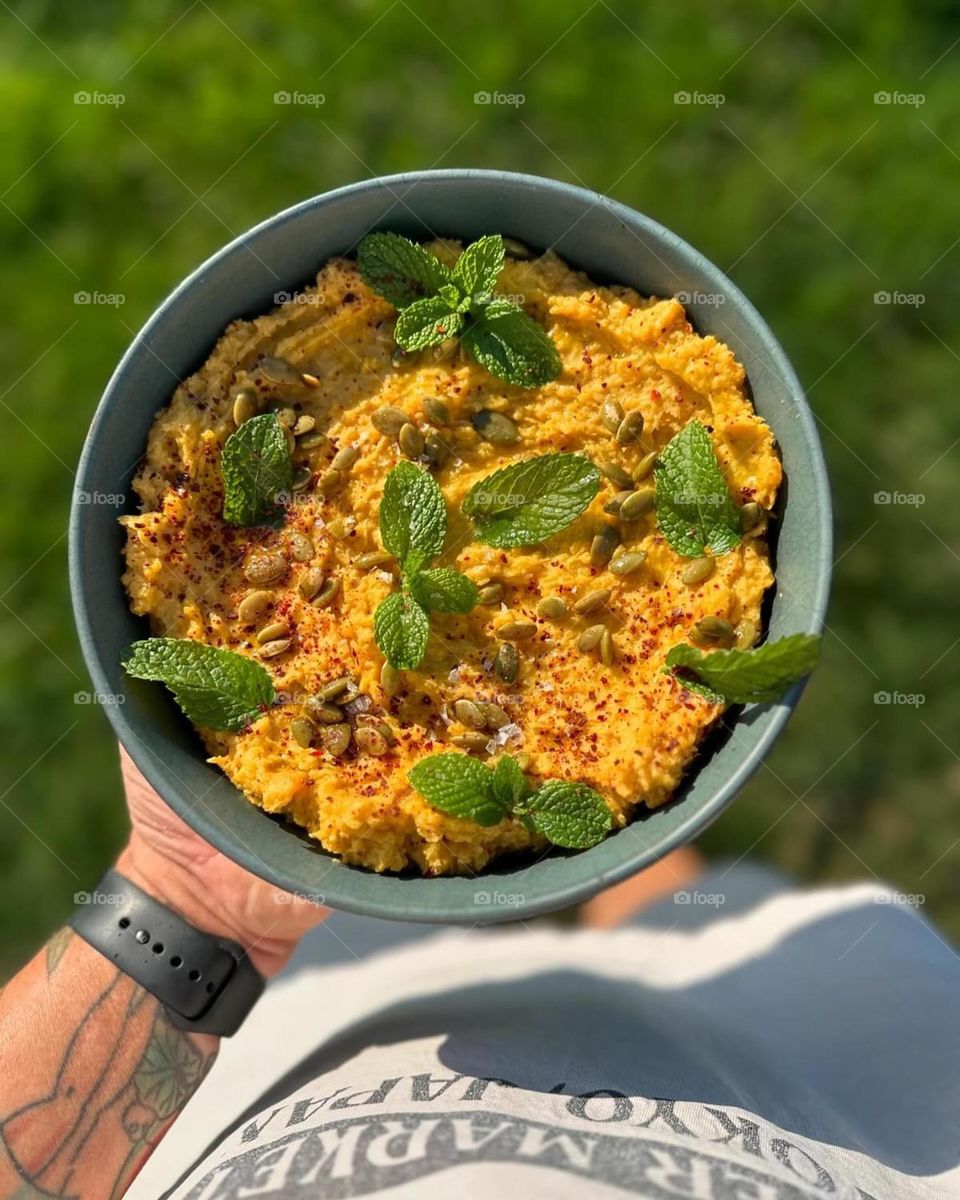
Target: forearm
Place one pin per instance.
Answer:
(92, 1074)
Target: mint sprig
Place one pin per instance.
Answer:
(756, 676)
(695, 510)
(570, 815)
(413, 525)
(257, 472)
(215, 688)
(529, 501)
(436, 303)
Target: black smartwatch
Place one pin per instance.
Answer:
(207, 984)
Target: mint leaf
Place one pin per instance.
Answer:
(427, 322)
(695, 510)
(510, 785)
(477, 269)
(750, 676)
(571, 815)
(215, 688)
(458, 785)
(512, 346)
(413, 516)
(398, 269)
(256, 470)
(444, 590)
(525, 503)
(401, 629)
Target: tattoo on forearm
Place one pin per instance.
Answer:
(121, 1079)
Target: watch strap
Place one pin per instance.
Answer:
(206, 983)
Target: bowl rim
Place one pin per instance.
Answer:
(575, 889)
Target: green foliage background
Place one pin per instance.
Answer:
(809, 193)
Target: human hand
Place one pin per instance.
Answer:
(169, 861)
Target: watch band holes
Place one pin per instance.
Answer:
(195, 976)
(176, 961)
(157, 947)
(142, 936)
(124, 922)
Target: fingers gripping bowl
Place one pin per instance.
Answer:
(612, 246)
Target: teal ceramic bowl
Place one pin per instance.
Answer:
(613, 244)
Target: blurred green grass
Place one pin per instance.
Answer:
(809, 193)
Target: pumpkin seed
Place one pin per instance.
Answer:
(611, 415)
(303, 424)
(506, 665)
(322, 712)
(496, 717)
(344, 458)
(608, 649)
(252, 607)
(278, 370)
(603, 546)
(617, 475)
(552, 607)
(313, 441)
(435, 449)
(517, 631)
(290, 440)
(272, 649)
(265, 567)
(373, 558)
(327, 593)
(410, 440)
(645, 466)
(630, 429)
(469, 714)
(385, 730)
(398, 357)
(244, 405)
(336, 687)
(698, 570)
(590, 638)
(474, 742)
(750, 515)
(592, 601)
(329, 481)
(436, 411)
(746, 633)
(286, 415)
(301, 478)
(311, 581)
(713, 629)
(616, 502)
(336, 739)
(518, 250)
(492, 593)
(495, 427)
(311, 381)
(272, 632)
(371, 741)
(389, 680)
(303, 732)
(301, 548)
(638, 504)
(628, 562)
(389, 421)
(759, 529)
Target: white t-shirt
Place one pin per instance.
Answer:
(807, 1046)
